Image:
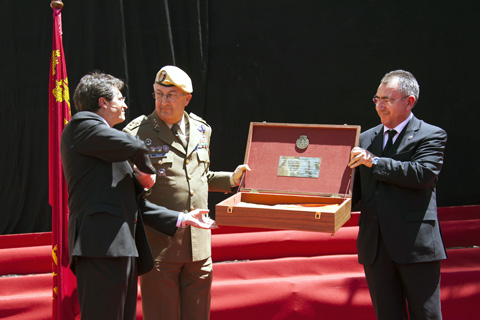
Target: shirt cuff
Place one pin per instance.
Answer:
(181, 220)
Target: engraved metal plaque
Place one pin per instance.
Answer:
(302, 167)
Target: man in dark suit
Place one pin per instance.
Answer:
(399, 241)
(107, 241)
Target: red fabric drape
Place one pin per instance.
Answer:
(59, 114)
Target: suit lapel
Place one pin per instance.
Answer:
(376, 144)
(407, 134)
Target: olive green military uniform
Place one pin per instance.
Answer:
(182, 184)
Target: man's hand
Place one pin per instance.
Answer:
(197, 218)
(237, 174)
(360, 156)
(146, 180)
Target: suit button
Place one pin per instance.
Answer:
(192, 193)
(189, 177)
(159, 161)
(187, 161)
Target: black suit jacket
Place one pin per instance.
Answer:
(105, 199)
(398, 196)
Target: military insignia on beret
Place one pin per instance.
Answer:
(161, 76)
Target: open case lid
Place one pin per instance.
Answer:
(300, 158)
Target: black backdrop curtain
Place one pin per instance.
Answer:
(278, 61)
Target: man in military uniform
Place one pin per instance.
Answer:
(180, 284)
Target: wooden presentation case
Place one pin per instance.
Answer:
(269, 195)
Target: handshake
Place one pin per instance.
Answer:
(197, 218)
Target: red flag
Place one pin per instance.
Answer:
(64, 285)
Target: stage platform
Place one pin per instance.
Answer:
(267, 274)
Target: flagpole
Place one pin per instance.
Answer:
(64, 300)
(54, 4)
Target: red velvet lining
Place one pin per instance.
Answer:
(331, 144)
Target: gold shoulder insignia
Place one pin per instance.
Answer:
(134, 124)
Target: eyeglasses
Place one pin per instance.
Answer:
(170, 97)
(122, 99)
(386, 100)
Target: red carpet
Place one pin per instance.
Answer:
(268, 274)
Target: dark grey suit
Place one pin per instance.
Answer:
(398, 220)
(105, 224)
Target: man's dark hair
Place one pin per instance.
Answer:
(94, 86)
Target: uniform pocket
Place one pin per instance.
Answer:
(203, 155)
